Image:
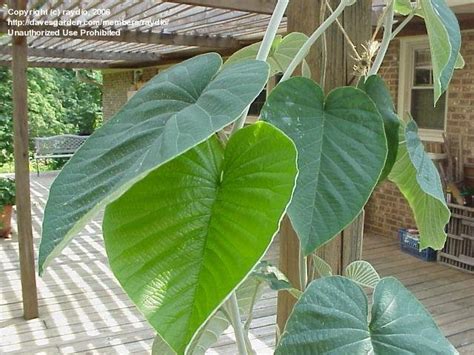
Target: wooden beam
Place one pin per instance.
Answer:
(89, 55)
(256, 6)
(168, 58)
(66, 65)
(22, 172)
(87, 65)
(102, 34)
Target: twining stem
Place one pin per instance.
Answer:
(312, 39)
(236, 321)
(324, 45)
(403, 24)
(344, 33)
(303, 269)
(387, 36)
(264, 49)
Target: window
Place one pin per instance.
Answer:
(416, 90)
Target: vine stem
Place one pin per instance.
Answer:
(387, 37)
(313, 38)
(264, 49)
(237, 324)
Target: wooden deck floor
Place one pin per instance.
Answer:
(83, 309)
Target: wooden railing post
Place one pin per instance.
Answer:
(22, 171)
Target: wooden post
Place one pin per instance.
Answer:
(304, 16)
(22, 171)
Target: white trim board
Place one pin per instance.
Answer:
(405, 74)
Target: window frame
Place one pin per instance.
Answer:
(408, 46)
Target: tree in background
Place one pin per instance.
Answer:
(83, 100)
(59, 101)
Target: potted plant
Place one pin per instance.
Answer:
(7, 200)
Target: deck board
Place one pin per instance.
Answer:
(84, 310)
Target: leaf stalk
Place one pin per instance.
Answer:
(235, 319)
(387, 37)
(264, 49)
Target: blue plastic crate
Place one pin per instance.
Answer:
(410, 244)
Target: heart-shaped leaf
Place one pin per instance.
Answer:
(445, 42)
(341, 153)
(282, 52)
(176, 110)
(375, 87)
(183, 238)
(363, 273)
(418, 180)
(331, 317)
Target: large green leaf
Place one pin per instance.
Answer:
(281, 53)
(375, 87)
(418, 180)
(181, 239)
(445, 42)
(331, 317)
(176, 110)
(341, 153)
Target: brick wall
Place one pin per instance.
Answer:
(116, 88)
(387, 210)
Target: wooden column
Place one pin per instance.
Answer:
(22, 171)
(304, 16)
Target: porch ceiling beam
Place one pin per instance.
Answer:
(68, 65)
(148, 37)
(256, 6)
(168, 58)
(89, 55)
(85, 65)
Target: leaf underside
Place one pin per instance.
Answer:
(363, 273)
(177, 109)
(445, 42)
(418, 180)
(281, 54)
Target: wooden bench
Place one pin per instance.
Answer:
(62, 146)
